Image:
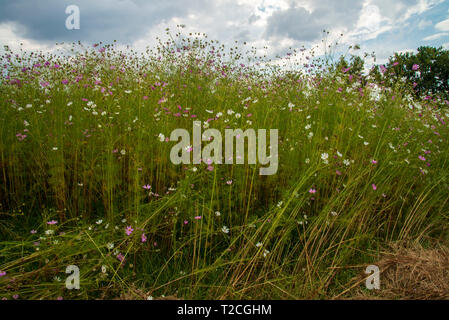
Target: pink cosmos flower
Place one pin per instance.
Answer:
(52, 222)
(312, 191)
(373, 161)
(422, 158)
(143, 237)
(374, 186)
(129, 230)
(121, 257)
(147, 187)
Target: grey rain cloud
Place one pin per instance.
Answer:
(299, 24)
(121, 20)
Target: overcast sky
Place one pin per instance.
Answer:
(383, 26)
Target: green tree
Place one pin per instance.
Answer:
(427, 70)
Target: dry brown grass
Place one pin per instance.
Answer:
(408, 271)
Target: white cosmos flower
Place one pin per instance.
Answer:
(324, 157)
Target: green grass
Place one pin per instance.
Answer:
(92, 144)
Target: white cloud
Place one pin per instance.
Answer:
(9, 36)
(443, 25)
(424, 24)
(436, 36)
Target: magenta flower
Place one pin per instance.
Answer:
(198, 217)
(338, 172)
(143, 237)
(52, 222)
(121, 257)
(374, 186)
(129, 230)
(312, 191)
(20, 136)
(2, 273)
(373, 161)
(147, 187)
(422, 158)
(415, 67)
(229, 182)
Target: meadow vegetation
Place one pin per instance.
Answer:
(86, 177)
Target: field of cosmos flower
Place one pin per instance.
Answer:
(86, 178)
